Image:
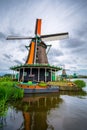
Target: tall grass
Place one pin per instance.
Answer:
(8, 93)
(3, 107)
(6, 78)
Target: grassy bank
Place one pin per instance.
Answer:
(8, 93)
(62, 83)
(69, 85)
(80, 83)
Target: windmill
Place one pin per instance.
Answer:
(64, 74)
(37, 66)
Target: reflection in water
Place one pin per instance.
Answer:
(73, 93)
(36, 108)
(47, 112)
(3, 112)
(3, 121)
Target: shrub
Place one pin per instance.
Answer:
(30, 82)
(42, 84)
(80, 83)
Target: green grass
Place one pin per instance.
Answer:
(8, 93)
(6, 78)
(80, 83)
(3, 107)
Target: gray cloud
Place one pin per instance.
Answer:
(22, 47)
(24, 59)
(12, 31)
(17, 62)
(82, 33)
(16, 19)
(72, 43)
(53, 56)
(2, 36)
(55, 52)
(7, 56)
(80, 52)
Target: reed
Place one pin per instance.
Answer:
(8, 93)
(3, 108)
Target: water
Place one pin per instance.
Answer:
(58, 111)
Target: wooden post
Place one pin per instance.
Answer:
(30, 71)
(51, 74)
(13, 75)
(19, 76)
(55, 74)
(23, 75)
(38, 74)
(45, 75)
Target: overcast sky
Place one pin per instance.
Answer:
(18, 17)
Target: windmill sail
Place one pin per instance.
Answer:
(53, 37)
(31, 55)
(38, 27)
(18, 38)
(37, 52)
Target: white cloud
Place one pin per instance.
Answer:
(18, 18)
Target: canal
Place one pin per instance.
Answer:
(58, 111)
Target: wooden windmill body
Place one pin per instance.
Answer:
(37, 67)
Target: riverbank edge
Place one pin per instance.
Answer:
(65, 86)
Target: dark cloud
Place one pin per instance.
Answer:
(72, 43)
(7, 56)
(80, 52)
(53, 56)
(7, 4)
(81, 33)
(55, 52)
(17, 61)
(53, 60)
(2, 36)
